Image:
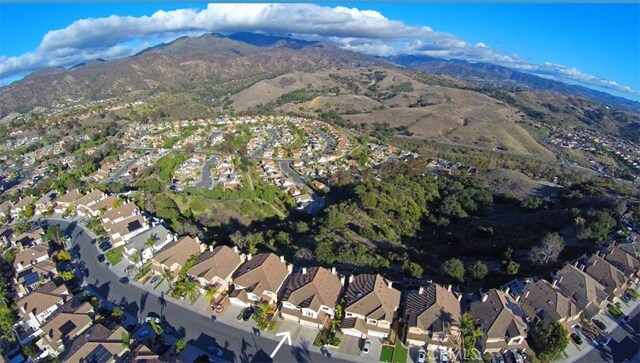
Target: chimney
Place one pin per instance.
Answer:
(484, 297)
(210, 247)
(518, 298)
(581, 267)
(203, 247)
(575, 264)
(290, 267)
(249, 256)
(554, 283)
(526, 295)
(197, 239)
(282, 259)
(351, 278)
(389, 283)
(342, 280)
(420, 290)
(459, 297)
(506, 290)
(304, 270)
(235, 249)
(449, 287)
(333, 271)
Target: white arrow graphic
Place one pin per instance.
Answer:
(285, 336)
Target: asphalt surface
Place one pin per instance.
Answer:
(205, 180)
(625, 343)
(198, 330)
(286, 168)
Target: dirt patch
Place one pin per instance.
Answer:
(503, 181)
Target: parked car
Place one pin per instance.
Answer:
(366, 347)
(605, 340)
(129, 269)
(151, 317)
(246, 313)
(625, 319)
(143, 334)
(154, 280)
(576, 338)
(498, 358)
(105, 246)
(124, 280)
(599, 324)
(101, 257)
(422, 356)
(517, 356)
(626, 297)
(217, 351)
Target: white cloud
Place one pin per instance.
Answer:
(364, 31)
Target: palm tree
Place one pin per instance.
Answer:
(188, 287)
(211, 293)
(157, 328)
(166, 275)
(67, 275)
(126, 339)
(117, 312)
(4, 295)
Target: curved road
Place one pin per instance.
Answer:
(197, 329)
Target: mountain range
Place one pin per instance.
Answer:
(215, 65)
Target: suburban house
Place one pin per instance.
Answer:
(121, 213)
(34, 275)
(28, 239)
(370, 306)
(587, 293)
(30, 256)
(259, 279)
(71, 320)
(138, 245)
(5, 208)
(85, 202)
(20, 206)
(98, 344)
(64, 201)
(174, 256)
(544, 304)
(105, 204)
(499, 318)
(215, 268)
(46, 202)
(310, 296)
(613, 280)
(125, 229)
(35, 308)
(432, 315)
(142, 354)
(623, 261)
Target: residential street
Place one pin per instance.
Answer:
(239, 346)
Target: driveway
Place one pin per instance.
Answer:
(185, 321)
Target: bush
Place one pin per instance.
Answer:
(478, 270)
(454, 268)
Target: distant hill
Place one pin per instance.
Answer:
(505, 76)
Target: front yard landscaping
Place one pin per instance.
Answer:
(114, 255)
(633, 293)
(615, 311)
(397, 354)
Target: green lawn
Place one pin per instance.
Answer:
(387, 353)
(615, 311)
(114, 255)
(400, 353)
(634, 295)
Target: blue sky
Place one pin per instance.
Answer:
(589, 44)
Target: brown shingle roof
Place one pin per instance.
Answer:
(98, 338)
(72, 317)
(106, 203)
(317, 287)
(220, 262)
(263, 272)
(582, 288)
(24, 202)
(496, 317)
(39, 300)
(547, 303)
(26, 256)
(91, 197)
(70, 197)
(372, 296)
(606, 274)
(432, 308)
(623, 260)
(122, 211)
(126, 226)
(177, 252)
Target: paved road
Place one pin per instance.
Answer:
(198, 330)
(286, 168)
(331, 142)
(625, 343)
(273, 135)
(205, 179)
